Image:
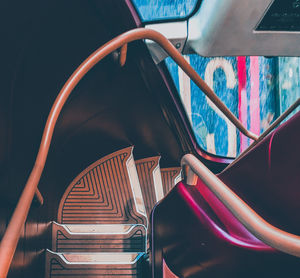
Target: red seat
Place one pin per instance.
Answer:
(198, 237)
(268, 177)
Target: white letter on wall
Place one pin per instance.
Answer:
(226, 66)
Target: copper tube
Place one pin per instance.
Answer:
(123, 54)
(10, 239)
(255, 224)
(39, 197)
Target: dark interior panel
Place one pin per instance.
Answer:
(282, 15)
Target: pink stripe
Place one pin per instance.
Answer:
(242, 76)
(246, 240)
(254, 95)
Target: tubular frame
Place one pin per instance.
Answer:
(255, 224)
(10, 239)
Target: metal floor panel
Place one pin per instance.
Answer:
(150, 181)
(170, 177)
(98, 238)
(93, 265)
(107, 192)
(102, 229)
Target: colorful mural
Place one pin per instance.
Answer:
(256, 89)
(289, 81)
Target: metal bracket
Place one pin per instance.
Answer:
(176, 32)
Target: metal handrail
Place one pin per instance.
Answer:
(280, 119)
(255, 224)
(10, 239)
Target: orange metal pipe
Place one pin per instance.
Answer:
(10, 239)
(123, 54)
(39, 197)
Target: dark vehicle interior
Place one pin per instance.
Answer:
(122, 187)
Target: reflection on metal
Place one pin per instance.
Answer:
(272, 236)
(10, 239)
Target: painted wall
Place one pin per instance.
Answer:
(256, 89)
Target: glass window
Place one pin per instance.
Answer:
(151, 10)
(256, 89)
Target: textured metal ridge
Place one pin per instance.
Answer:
(170, 176)
(146, 169)
(102, 194)
(93, 265)
(131, 239)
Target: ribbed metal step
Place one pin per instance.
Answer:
(98, 238)
(150, 181)
(94, 264)
(106, 192)
(104, 218)
(170, 177)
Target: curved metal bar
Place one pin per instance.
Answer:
(281, 118)
(272, 236)
(39, 197)
(10, 239)
(123, 53)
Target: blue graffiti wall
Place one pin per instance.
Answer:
(256, 89)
